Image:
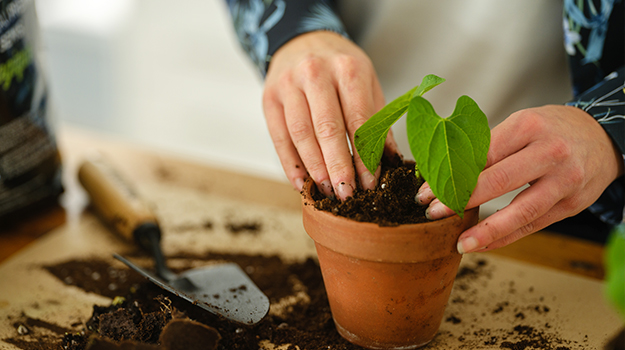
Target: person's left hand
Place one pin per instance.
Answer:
(561, 152)
(319, 87)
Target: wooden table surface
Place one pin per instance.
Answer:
(142, 164)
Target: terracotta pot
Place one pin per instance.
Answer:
(387, 286)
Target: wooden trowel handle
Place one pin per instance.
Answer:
(115, 201)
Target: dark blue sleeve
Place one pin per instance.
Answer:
(263, 26)
(606, 103)
(594, 33)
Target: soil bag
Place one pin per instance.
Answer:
(30, 163)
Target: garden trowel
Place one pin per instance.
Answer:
(223, 289)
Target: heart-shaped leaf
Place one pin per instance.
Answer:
(450, 153)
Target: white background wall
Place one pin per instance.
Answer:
(165, 74)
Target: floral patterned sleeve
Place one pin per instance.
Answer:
(594, 33)
(263, 26)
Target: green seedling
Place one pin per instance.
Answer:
(449, 152)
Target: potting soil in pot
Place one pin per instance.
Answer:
(392, 203)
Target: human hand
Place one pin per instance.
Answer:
(561, 152)
(319, 87)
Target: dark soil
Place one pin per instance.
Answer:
(248, 227)
(532, 339)
(392, 203)
(141, 314)
(145, 310)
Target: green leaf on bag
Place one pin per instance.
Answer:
(450, 152)
(370, 137)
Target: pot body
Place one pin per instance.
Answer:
(387, 286)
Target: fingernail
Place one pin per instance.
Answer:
(367, 180)
(299, 184)
(420, 198)
(344, 190)
(424, 196)
(326, 188)
(435, 211)
(466, 245)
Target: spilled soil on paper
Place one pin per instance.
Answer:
(141, 310)
(143, 316)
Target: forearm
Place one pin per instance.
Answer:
(606, 103)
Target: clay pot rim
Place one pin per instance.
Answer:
(370, 241)
(308, 201)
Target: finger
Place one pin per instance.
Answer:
(525, 208)
(330, 132)
(557, 213)
(391, 149)
(378, 95)
(300, 127)
(357, 102)
(438, 210)
(507, 138)
(425, 195)
(531, 162)
(390, 146)
(511, 238)
(292, 164)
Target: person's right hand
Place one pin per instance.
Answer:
(320, 86)
(564, 155)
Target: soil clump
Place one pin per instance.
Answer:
(391, 203)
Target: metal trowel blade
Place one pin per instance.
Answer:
(222, 289)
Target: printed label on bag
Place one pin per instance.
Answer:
(29, 159)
